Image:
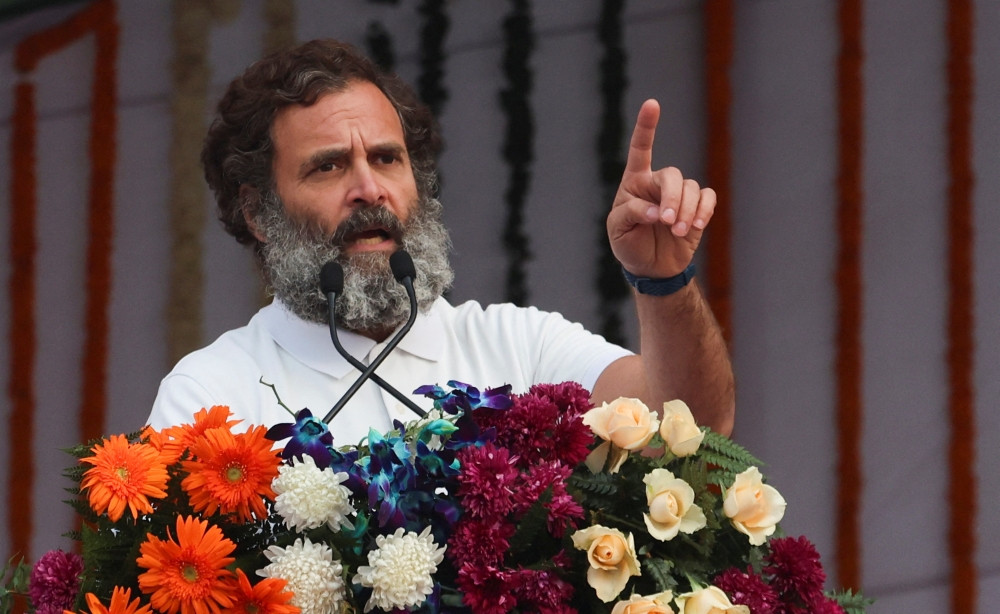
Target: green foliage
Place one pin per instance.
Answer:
(14, 577)
(851, 602)
(726, 457)
(532, 526)
(659, 571)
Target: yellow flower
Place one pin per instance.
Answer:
(679, 429)
(708, 600)
(612, 559)
(653, 604)
(753, 507)
(671, 506)
(625, 425)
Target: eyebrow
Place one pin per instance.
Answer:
(320, 157)
(324, 155)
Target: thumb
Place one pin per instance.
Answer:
(628, 215)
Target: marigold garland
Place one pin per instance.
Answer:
(718, 59)
(192, 21)
(279, 19)
(379, 41)
(433, 32)
(23, 247)
(518, 143)
(849, 292)
(962, 485)
(612, 291)
(99, 18)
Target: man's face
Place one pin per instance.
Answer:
(344, 190)
(344, 152)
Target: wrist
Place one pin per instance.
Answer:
(663, 286)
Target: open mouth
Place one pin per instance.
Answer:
(369, 229)
(369, 237)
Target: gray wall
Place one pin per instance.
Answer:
(784, 235)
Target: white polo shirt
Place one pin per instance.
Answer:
(501, 344)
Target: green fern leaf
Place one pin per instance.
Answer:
(659, 571)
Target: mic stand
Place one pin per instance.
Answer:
(369, 371)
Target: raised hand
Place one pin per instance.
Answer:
(658, 217)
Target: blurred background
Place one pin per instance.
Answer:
(855, 146)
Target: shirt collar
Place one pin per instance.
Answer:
(310, 342)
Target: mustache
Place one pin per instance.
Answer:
(365, 219)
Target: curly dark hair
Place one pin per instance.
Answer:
(238, 149)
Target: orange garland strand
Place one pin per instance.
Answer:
(961, 458)
(849, 293)
(98, 17)
(718, 58)
(23, 246)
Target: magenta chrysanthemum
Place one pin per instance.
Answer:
(487, 481)
(562, 507)
(749, 589)
(487, 590)
(54, 581)
(543, 591)
(795, 568)
(481, 543)
(544, 423)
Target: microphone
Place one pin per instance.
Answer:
(331, 284)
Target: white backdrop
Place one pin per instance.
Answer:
(784, 234)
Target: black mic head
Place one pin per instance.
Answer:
(402, 266)
(331, 278)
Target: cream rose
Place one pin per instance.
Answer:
(679, 429)
(654, 604)
(671, 506)
(612, 559)
(625, 425)
(709, 600)
(753, 507)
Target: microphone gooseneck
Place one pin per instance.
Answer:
(332, 284)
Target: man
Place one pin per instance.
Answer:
(315, 155)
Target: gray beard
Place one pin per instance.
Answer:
(372, 300)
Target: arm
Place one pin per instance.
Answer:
(655, 226)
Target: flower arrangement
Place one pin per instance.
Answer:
(494, 503)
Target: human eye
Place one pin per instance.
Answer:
(326, 166)
(387, 157)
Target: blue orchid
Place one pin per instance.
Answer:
(307, 436)
(465, 397)
(389, 473)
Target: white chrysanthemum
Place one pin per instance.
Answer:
(399, 571)
(312, 574)
(309, 497)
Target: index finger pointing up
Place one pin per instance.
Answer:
(640, 149)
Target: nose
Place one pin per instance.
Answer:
(365, 188)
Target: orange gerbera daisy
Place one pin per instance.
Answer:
(120, 603)
(188, 574)
(123, 474)
(267, 597)
(177, 439)
(231, 473)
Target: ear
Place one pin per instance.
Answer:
(249, 205)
